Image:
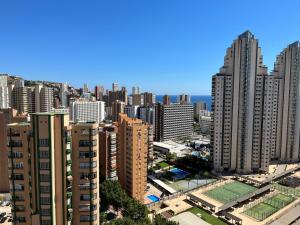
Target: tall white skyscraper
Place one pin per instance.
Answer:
(135, 90)
(237, 108)
(86, 111)
(282, 109)
(46, 99)
(184, 99)
(115, 87)
(63, 94)
(131, 111)
(4, 95)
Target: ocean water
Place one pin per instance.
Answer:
(194, 99)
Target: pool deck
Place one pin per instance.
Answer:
(177, 205)
(151, 191)
(162, 184)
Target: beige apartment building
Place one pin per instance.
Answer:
(85, 159)
(256, 116)
(19, 150)
(237, 108)
(285, 104)
(108, 151)
(45, 145)
(6, 116)
(117, 108)
(173, 121)
(132, 142)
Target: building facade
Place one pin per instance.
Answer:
(4, 92)
(117, 108)
(87, 111)
(108, 151)
(131, 111)
(173, 121)
(237, 108)
(147, 114)
(184, 99)
(282, 109)
(149, 99)
(166, 100)
(7, 116)
(85, 165)
(256, 116)
(132, 145)
(43, 150)
(199, 106)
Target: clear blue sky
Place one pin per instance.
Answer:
(164, 46)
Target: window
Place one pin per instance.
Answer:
(17, 177)
(18, 198)
(84, 208)
(45, 200)
(46, 222)
(18, 165)
(87, 154)
(88, 197)
(16, 155)
(45, 212)
(87, 143)
(44, 142)
(45, 177)
(87, 218)
(44, 166)
(87, 186)
(17, 187)
(45, 189)
(44, 154)
(88, 131)
(21, 219)
(88, 175)
(15, 143)
(86, 165)
(19, 208)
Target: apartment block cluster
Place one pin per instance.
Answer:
(255, 115)
(55, 165)
(57, 142)
(37, 98)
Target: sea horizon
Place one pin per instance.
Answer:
(194, 99)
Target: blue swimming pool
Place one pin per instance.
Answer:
(153, 198)
(179, 173)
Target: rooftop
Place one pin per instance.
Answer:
(19, 124)
(49, 113)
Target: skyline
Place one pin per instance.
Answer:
(137, 43)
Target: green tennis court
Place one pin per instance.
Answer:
(269, 206)
(230, 192)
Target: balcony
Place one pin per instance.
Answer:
(87, 186)
(69, 162)
(69, 194)
(69, 151)
(13, 133)
(86, 143)
(15, 143)
(69, 185)
(69, 173)
(69, 216)
(68, 139)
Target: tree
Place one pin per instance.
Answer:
(123, 221)
(102, 217)
(159, 220)
(111, 193)
(170, 157)
(135, 210)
